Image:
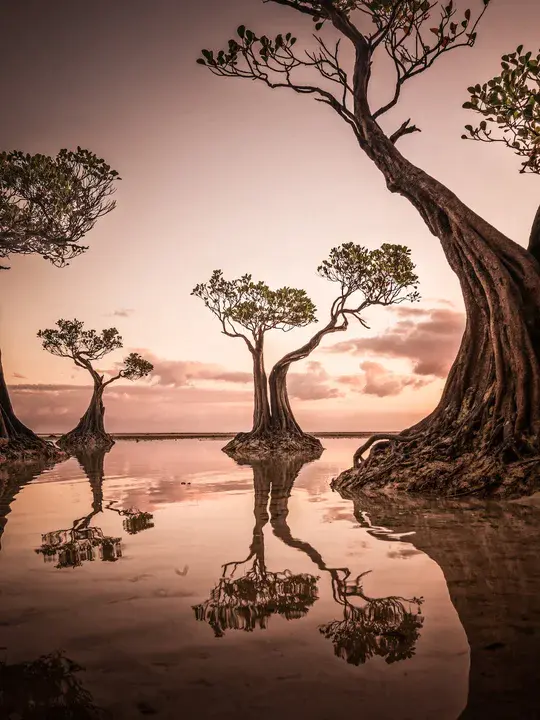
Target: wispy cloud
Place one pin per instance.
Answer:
(375, 379)
(122, 313)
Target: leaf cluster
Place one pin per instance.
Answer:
(48, 204)
(510, 104)
(70, 339)
(384, 276)
(254, 306)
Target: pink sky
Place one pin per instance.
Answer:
(227, 174)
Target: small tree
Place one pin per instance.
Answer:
(47, 205)
(70, 340)
(248, 310)
(365, 278)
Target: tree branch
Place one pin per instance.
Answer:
(404, 129)
(534, 239)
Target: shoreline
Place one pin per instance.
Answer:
(220, 436)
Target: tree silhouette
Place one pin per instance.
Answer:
(247, 602)
(45, 688)
(484, 436)
(365, 278)
(47, 206)
(70, 340)
(83, 542)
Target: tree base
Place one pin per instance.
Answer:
(249, 446)
(76, 442)
(440, 469)
(22, 451)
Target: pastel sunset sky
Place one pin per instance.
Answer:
(227, 174)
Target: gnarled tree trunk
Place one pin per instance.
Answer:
(261, 406)
(17, 442)
(484, 436)
(90, 431)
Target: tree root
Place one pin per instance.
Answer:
(24, 452)
(261, 446)
(444, 465)
(75, 442)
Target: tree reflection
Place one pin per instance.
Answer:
(45, 688)
(84, 542)
(385, 627)
(247, 602)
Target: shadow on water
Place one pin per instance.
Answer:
(46, 688)
(385, 627)
(83, 542)
(488, 552)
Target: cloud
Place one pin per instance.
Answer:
(311, 385)
(19, 376)
(428, 338)
(182, 373)
(122, 313)
(378, 380)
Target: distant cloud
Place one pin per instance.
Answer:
(378, 380)
(428, 338)
(19, 376)
(312, 385)
(183, 373)
(122, 313)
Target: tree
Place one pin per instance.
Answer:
(248, 310)
(47, 205)
(484, 436)
(70, 340)
(383, 276)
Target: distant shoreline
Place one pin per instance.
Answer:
(222, 436)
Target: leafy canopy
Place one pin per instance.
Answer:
(47, 205)
(69, 339)
(404, 28)
(253, 306)
(384, 276)
(510, 104)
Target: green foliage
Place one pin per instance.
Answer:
(401, 26)
(135, 367)
(384, 276)
(253, 305)
(70, 339)
(510, 104)
(47, 205)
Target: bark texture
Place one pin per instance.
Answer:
(494, 584)
(484, 436)
(275, 431)
(90, 432)
(18, 444)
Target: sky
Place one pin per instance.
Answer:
(223, 173)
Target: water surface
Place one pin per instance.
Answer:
(164, 579)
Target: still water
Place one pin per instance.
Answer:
(164, 579)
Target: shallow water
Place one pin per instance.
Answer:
(186, 585)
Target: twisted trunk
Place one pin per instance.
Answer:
(90, 431)
(484, 436)
(261, 406)
(17, 442)
(283, 420)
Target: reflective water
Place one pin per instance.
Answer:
(163, 579)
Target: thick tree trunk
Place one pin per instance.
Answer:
(17, 442)
(261, 406)
(484, 436)
(90, 432)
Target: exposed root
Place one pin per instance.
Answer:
(24, 452)
(445, 466)
(262, 446)
(76, 442)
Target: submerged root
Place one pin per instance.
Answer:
(75, 441)
(446, 466)
(251, 446)
(29, 451)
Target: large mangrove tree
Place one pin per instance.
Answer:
(484, 435)
(70, 340)
(47, 206)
